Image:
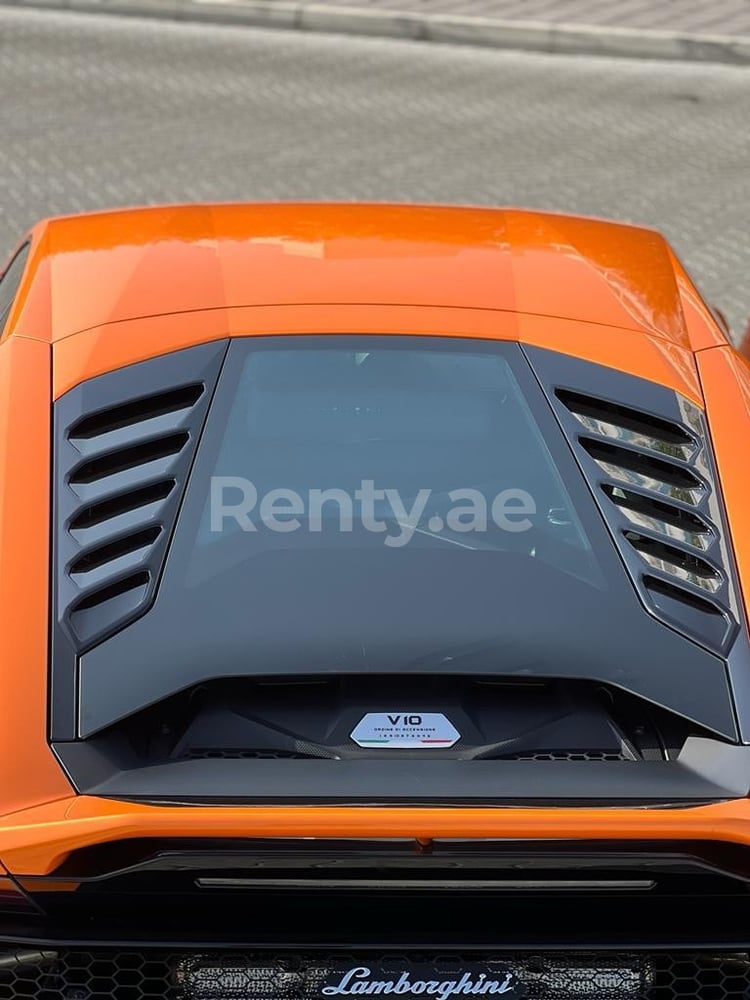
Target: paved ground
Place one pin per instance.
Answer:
(106, 111)
(687, 30)
(694, 16)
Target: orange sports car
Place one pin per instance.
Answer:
(375, 610)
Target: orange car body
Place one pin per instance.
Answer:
(103, 291)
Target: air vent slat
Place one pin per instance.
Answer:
(660, 517)
(673, 591)
(645, 471)
(124, 459)
(137, 413)
(100, 576)
(676, 561)
(113, 552)
(673, 600)
(88, 494)
(632, 427)
(129, 587)
(119, 504)
(134, 520)
(134, 435)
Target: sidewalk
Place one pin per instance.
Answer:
(709, 30)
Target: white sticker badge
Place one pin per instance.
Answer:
(402, 730)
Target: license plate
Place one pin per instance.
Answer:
(539, 977)
(209, 980)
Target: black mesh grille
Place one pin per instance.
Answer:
(154, 975)
(569, 755)
(200, 753)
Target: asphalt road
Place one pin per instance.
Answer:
(100, 111)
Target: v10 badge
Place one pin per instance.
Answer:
(405, 730)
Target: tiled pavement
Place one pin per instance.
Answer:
(725, 17)
(696, 30)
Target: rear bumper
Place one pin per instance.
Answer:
(651, 903)
(36, 841)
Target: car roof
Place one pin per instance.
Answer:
(89, 270)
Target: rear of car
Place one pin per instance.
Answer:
(395, 640)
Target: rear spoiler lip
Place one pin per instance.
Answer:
(706, 770)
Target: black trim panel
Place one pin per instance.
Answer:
(705, 771)
(158, 655)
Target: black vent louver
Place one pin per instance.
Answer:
(653, 480)
(125, 442)
(131, 459)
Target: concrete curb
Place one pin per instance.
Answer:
(457, 29)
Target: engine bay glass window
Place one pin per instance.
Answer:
(381, 445)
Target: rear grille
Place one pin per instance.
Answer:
(652, 478)
(148, 975)
(123, 460)
(238, 754)
(569, 755)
